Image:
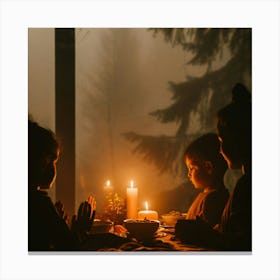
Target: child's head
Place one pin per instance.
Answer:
(206, 166)
(235, 128)
(43, 151)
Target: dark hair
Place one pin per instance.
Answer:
(235, 119)
(42, 144)
(207, 148)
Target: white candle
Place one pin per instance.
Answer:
(148, 214)
(132, 201)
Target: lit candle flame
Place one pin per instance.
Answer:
(108, 183)
(131, 183)
(146, 205)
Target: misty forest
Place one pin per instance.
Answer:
(142, 95)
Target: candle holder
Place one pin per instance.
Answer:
(148, 214)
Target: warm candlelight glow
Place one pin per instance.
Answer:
(108, 188)
(148, 214)
(147, 205)
(132, 201)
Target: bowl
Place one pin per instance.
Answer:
(100, 226)
(141, 229)
(171, 218)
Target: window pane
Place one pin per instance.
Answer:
(122, 76)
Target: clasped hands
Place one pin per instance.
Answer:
(82, 222)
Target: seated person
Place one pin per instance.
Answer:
(234, 127)
(47, 229)
(206, 169)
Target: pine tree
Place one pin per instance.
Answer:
(225, 54)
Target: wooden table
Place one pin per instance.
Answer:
(168, 236)
(164, 241)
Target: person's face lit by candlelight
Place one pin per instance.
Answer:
(206, 166)
(199, 173)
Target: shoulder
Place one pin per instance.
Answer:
(201, 197)
(244, 182)
(40, 203)
(242, 193)
(39, 196)
(218, 194)
(243, 186)
(216, 199)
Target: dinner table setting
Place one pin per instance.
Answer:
(135, 230)
(137, 235)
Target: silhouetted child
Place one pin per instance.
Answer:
(206, 169)
(234, 125)
(47, 229)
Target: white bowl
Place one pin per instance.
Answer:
(171, 219)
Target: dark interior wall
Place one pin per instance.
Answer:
(65, 115)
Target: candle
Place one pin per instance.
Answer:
(108, 187)
(132, 201)
(148, 214)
